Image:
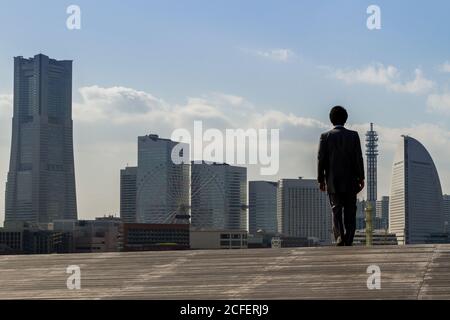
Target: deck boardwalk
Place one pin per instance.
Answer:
(407, 272)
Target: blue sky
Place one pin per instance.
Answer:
(294, 57)
(182, 48)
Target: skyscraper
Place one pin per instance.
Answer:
(263, 206)
(372, 154)
(41, 177)
(128, 194)
(382, 213)
(218, 196)
(303, 210)
(415, 205)
(446, 208)
(162, 192)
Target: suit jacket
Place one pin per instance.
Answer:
(340, 161)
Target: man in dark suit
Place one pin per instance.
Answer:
(341, 173)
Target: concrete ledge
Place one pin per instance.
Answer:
(407, 272)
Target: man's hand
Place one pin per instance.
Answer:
(361, 185)
(323, 186)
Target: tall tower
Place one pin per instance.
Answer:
(41, 177)
(372, 154)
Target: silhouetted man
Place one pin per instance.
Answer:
(341, 173)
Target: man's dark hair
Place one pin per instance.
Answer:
(338, 116)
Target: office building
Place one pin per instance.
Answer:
(128, 194)
(218, 196)
(415, 204)
(262, 210)
(303, 210)
(360, 214)
(382, 213)
(446, 208)
(31, 238)
(41, 177)
(99, 235)
(162, 190)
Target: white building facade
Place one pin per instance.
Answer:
(303, 210)
(415, 206)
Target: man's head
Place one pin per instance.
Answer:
(338, 116)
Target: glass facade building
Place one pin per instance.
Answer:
(162, 185)
(219, 196)
(263, 206)
(41, 178)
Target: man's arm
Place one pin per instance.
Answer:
(360, 176)
(322, 160)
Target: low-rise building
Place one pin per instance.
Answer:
(148, 237)
(293, 242)
(219, 239)
(100, 235)
(379, 238)
(30, 238)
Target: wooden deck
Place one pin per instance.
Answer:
(407, 272)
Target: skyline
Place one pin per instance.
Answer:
(213, 63)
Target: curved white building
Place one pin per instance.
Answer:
(415, 209)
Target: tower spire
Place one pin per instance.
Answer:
(372, 154)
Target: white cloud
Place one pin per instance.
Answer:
(445, 67)
(439, 103)
(419, 85)
(280, 55)
(120, 106)
(114, 103)
(6, 101)
(388, 77)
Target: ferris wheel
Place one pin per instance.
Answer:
(163, 195)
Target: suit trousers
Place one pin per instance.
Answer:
(343, 206)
